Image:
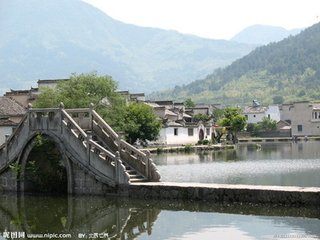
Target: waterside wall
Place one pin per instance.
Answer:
(299, 196)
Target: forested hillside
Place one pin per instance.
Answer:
(288, 70)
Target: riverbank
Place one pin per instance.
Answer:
(278, 139)
(189, 148)
(297, 196)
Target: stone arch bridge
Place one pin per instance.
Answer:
(96, 159)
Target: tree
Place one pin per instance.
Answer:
(267, 124)
(233, 121)
(83, 89)
(278, 99)
(141, 123)
(189, 103)
(201, 117)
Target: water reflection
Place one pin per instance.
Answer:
(284, 164)
(74, 215)
(140, 219)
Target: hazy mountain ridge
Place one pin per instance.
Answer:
(289, 69)
(263, 34)
(51, 39)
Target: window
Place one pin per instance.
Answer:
(254, 116)
(315, 115)
(299, 128)
(269, 116)
(175, 130)
(190, 131)
(208, 131)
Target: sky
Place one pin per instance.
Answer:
(216, 19)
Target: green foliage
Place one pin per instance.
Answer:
(218, 114)
(15, 168)
(83, 89)
(141, 123)
(233, 121)
(203, 142)
(201, 117)
(187, 148)
(189, 103)
(267, 124)
(278, 100)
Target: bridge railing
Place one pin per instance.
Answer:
(137, 159)
(78, 120)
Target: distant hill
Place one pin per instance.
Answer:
(263, 34)
(288, 70)
(50, 39)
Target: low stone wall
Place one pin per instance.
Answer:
(224, 193)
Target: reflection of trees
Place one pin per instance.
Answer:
(74, 215)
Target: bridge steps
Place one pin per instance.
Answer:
(134, 176)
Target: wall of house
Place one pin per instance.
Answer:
(168, 137)
(273, 112)
(302, 122)
(4, 130)
(255, 117)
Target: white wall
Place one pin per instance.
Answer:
(255, 118)
(4, 130)
(167, 135)
(274, 112)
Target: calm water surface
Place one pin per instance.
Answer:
(284, 164)
(108, 218)
(84, 217)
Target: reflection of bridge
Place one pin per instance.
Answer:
(95, 157)
(84, 215)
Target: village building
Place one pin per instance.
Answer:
(304, 117)
(179, 126)
(24, 97)
(255, 113)
(11, 113)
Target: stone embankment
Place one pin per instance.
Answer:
(278, 195)
(190, 148)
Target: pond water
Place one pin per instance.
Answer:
(84, 217)
(282, 164)
(92, 217)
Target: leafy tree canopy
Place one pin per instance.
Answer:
(234, 121)
(136, 120)
(141, 123)
(189, 103)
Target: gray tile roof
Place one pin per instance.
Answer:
(9, 107)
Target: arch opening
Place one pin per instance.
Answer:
(45, 169)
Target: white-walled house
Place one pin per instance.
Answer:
(178, 126)
(181, 134)
(256, 113)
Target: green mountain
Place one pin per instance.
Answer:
(50, 39)
(288, 70)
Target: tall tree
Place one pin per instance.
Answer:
(233, 121)
(141, 123)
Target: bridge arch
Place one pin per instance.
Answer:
(24, 157)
